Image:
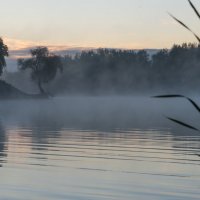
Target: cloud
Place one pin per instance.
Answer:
(21, 49)
(16, 44)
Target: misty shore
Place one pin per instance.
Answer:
(9, 92)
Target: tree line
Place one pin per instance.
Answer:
(105, 71)
(129, 71)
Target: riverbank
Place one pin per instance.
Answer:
(7, 91)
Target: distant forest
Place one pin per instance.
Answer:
(110, 71)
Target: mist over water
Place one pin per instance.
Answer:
(94, 112)
(114, 147)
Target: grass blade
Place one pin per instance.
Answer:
(193, 103)
(169, 96)
(185, 26)
(194, 8)
(183, 124)
(180, 96)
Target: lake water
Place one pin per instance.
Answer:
(98, 148)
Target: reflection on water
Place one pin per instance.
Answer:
(96, 148)
(2, 144)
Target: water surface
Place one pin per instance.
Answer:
(96, 148)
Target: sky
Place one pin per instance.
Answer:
(129, 24)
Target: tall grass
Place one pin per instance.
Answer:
(184, 25)
(178, 95)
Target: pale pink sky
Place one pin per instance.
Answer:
(96, 23)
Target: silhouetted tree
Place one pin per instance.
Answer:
(43, 66)
(3, 53)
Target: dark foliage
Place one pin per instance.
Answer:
(126, 71)
(3, 54)
(43, 66)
